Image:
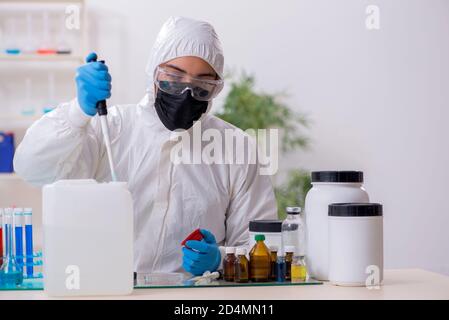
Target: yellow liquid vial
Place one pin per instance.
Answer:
(298, 273)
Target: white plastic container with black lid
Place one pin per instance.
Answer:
(327, 187)
(271, 229)
(355, 244)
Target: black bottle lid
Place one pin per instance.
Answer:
(265, 226)
(355, 210)
(338, 176)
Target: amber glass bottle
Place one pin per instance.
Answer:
(229, 264)
(289, 252)
(274, 257)
(260, 261)
(241, 266)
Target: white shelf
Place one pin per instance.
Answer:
(39, 62)
(10, 123)
(37, 5)
(16, 69)
(40, 57)
(8, 176)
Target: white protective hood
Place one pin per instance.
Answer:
(181, 37)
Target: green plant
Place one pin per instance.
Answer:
(247, 109)
(293, 191)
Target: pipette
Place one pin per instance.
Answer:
(102, 113)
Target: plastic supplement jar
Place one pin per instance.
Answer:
(355, 244)
(271, 229)
(327, 187)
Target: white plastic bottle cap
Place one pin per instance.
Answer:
(230, 250)
(27, 211)
(8, 215)
(241, 251)
(274, 248)
(290, 249)
(18, 211)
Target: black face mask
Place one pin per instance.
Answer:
(178, 112)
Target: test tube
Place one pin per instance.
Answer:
(45, 47)
(28, 217)
(28, 109)
(11, 46)
(63, 47)
(7, 214)
(29, 46)
(50, 104)
(18, 235)
(1, 236)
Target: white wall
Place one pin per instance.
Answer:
(378, 100)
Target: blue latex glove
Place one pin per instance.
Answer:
(205, 255)
(93, 83)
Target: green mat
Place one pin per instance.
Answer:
(37, 284)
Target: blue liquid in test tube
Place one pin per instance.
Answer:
(27, 213)
(7, 228)
(18, 235)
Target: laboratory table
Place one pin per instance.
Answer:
(398, 284)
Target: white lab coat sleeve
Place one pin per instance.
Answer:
(252, 198)
(63, 144)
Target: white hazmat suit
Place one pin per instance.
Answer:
(170, 200)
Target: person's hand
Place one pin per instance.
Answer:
(93, 83)
(202, 256)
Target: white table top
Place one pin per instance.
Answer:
(398, 284)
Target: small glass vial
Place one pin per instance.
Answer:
(298, 269)
(289, 253)
(229, 264)
(280, 267)
(294, 230)
(273, 256)
(241, 266)
(260, 261)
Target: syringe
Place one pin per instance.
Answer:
(102, 113)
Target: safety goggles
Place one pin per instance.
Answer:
(177, 83)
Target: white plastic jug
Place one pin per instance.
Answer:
(88, 238)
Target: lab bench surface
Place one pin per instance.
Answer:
(398, 284)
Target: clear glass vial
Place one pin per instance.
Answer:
(298, 269)
(293, 230)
